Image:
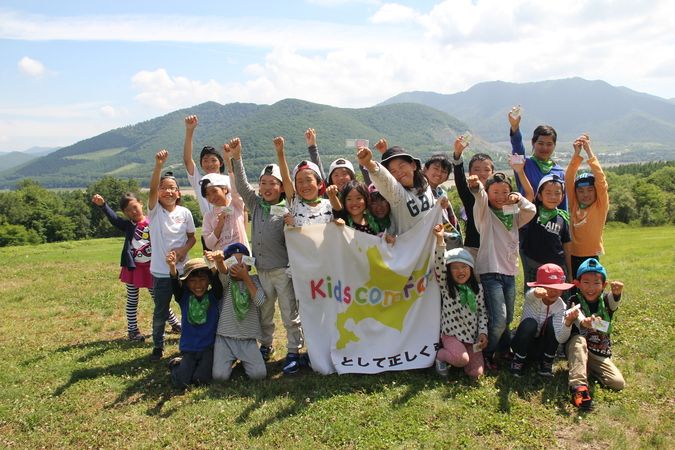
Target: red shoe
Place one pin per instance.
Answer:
(581, 398)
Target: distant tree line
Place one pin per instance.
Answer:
(640, 195)
(32, 214)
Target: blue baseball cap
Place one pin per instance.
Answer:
(584, 179)
(235, 247)
(591, 265)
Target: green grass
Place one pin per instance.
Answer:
(70, 378)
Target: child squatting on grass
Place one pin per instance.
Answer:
(535, 337)
(172, 229)
(199, 310)
(587, 328)
(239, 324)
(135, 259)
(464, 320)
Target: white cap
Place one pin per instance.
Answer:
(306, 165)
(340, 162)
(214, 179)
(271, 169)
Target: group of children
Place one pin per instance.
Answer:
(228, 313)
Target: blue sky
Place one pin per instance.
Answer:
(74, 69)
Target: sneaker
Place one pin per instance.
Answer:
(517, 366)
(441, 368)
(292, 363)
(173, 362)
(266, 351)
(156, 354)
(489, 362)
(137, 336)
(176, 328)
(546, 367)
(581, 398)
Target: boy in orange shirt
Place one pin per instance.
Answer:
(588, 203)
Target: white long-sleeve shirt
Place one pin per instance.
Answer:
(498, 252)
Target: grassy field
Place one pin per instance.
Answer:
(69, 378)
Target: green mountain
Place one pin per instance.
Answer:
(129, 151)
(620, 119)
(9, 160)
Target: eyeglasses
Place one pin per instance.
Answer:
(169, 189)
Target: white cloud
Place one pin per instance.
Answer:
(160, 90)
(31, 67)
(394, 13)
(113, 112)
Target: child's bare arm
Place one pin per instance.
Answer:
(283, 167)
(160, 158)
(171, 259)
(191, 123)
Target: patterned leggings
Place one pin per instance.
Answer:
(132, 309)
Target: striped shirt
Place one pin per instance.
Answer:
(249, 326)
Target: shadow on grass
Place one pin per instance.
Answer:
(153, 383)
(149, 383)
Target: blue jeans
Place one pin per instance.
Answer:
(500, 297)
(162, 298)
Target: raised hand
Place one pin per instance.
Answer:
(473, 182)
(235, 148)
(98, 200)
(279, 145)
(514, 197)
(332, 191)
(161, 156)
(365, 155)
(437, 230)
(460, 145)
(381, 145)
(191, 122)
(310, 137)
(514, 120)
(616, 287)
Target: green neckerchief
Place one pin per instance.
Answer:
(307, 202)
(602, 309)
(383, 223)
(266, 206)
(544, 166)
(546, 215)
(506, 219)
(240, 300)
(372, 223)
(197, 309)
(467, 297)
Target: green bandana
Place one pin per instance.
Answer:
(602, 310)
(506, 219)
(546, 215)
(267, 206)
(372, 223)
(316, 200)
(240, 300)
(383, 223)
(544, 166)
(197, 309)
(467, 297)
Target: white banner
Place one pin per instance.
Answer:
(366, 306)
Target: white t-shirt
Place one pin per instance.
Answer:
(194, 179)
(304, 214)
(168, 230)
